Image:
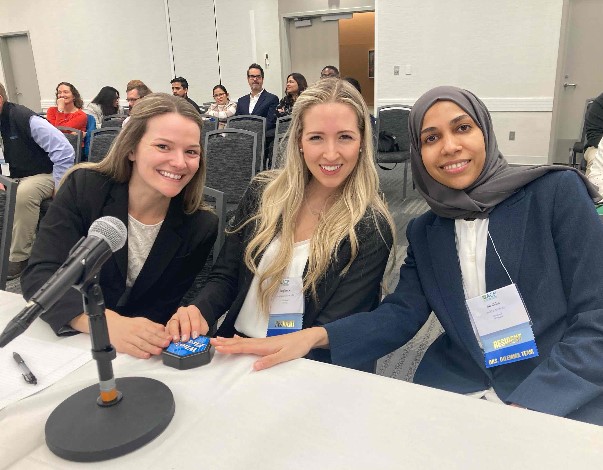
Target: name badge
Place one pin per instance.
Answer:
(287, 308)
(4, 168)
(503, 325)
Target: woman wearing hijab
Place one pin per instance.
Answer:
(496, 256)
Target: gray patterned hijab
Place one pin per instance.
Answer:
(497, 180)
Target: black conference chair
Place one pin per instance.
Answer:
(100, 142)
(280, 141)
(75, 137)
(231, 162)
(580, 146)
(210, 123)
(8, 199)
(113, 120)
(257, 124)
(392, 122)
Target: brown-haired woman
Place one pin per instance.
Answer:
(68, 111)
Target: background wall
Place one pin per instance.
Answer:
(503, 51)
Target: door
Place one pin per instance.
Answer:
(20, 71)
(579, 75)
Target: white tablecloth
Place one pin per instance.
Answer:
(304, 415)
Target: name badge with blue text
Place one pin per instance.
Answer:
(287, 308)
(503, 325)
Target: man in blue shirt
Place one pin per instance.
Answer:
(38, 154)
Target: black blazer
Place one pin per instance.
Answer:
(266, 106)
(338, 296)
(179, 252)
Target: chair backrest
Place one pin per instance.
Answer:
(281, 137)
(8, 200)
(393, 119)
(100, 143)
(113, 120)
(74, 136)
(210, 123)
(257, 124)
(90, 126)
(217, 199)
(583, 128)
(230, 156)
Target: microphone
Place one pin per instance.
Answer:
(106, 235)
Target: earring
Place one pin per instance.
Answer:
(301, 150)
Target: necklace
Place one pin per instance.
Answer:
(314, 212)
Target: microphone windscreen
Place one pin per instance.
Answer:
(110, 229)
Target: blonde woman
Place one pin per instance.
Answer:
(152, 180)
(309, 243)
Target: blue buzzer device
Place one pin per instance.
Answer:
(194, 353)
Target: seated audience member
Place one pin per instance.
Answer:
(106, 103)
(318, 226)
(38, 155)
(594, 171)
(223, 108)
(135, 91)
(493, 232)
(593, 125)
(356, 84)
(68, 111)
(296, 84)
(329, 71)
(180, 88)
(259, 102)
(152, 180)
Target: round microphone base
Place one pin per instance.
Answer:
(82, 431)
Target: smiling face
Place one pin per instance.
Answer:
(330, 143)
(167, 156)
(452, 145)
(63, 91)
(255, 79)
(292, 86)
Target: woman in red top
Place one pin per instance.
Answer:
(68, 111)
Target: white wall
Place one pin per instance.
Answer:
(503, 51)
(109, 42)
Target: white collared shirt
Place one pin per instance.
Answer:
(253, 100)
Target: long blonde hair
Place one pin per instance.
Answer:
(118, 166)
(284, 193)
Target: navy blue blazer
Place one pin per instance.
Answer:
(549, 236)
(266, 106)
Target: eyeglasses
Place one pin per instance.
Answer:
(219, 95)
(254, 77)
(327, 75)
(132, 100)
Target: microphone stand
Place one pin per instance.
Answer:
(126, 414)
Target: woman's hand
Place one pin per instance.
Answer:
(276, 349)
(138, 337)
(61, 104)
(187, 322)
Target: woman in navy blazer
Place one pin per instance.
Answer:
(152, 180)
(539, 229)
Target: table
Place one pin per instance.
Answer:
(305, 415)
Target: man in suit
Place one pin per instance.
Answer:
(259, 102)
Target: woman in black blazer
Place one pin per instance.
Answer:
(327, 197)
(152, 180)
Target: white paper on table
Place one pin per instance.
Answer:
(49, 362)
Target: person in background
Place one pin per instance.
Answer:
(259, 102)
(152, 180)
(329, 71)
(106, 103)
(180, 88)
(223, 108)
(38, 155)
(496, 260)
(356, 84)
(315, 232)
(296, 84)
(135, 91)
(68, 111)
